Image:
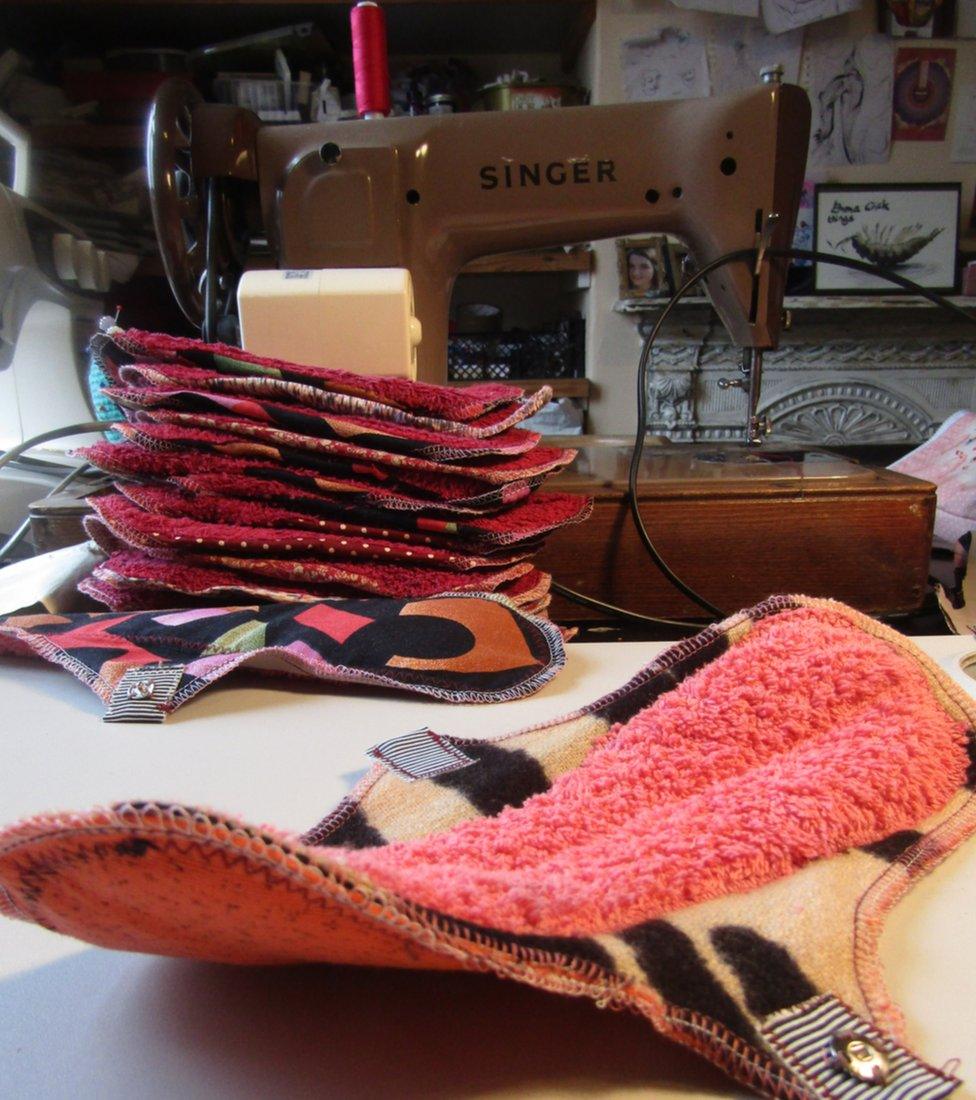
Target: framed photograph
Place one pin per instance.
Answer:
(642, 267)
(912, 229)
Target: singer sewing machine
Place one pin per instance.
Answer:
(431, 193)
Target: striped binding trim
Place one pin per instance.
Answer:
(800, 1037)
(420, 754)
(144, 694)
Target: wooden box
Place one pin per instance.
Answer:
(738, 527)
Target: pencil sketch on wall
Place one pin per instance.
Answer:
(737, 57)
(670, 64)
(850, 91)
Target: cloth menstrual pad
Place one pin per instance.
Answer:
(523, 524)
(497, 419)
(378, 435)
(714, 845)
(258, 477)
(130, 525)
(166, 429)
(460, 649)
(130, 580)
(445, 402)
(205, 574)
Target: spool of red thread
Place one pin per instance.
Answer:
(369, 60)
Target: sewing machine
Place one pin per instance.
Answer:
(431, 193)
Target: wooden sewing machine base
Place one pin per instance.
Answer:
(739, 525)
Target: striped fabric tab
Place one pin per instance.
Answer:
(420, 754)
(801, 1037)
(143, 694)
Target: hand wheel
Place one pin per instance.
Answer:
(201, 252)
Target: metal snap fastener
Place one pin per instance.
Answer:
(141, 689)
(859, 1057)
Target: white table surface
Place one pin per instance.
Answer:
(79, 1022)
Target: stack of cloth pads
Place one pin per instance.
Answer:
(237, 475)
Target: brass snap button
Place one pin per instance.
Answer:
(859, 1057)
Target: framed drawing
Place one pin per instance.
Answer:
(642, 267)
(918, 18)
(911, 229)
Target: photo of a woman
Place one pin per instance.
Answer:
(641, 271)
(641, 267)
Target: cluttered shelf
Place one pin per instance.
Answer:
(414, 26)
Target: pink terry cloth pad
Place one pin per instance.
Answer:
(226, 432)
(523, 526)
(198, 446)
(241, 477)
(498, 419)
(426, 443)
(144, 530)
(714, 845)
(216, 574)
(948, 460)
(199, 586)
(442, 401)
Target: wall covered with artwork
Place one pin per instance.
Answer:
(887, 109)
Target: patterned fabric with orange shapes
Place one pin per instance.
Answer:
(458, 648)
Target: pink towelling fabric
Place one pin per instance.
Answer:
(132, 526)
(495, 420)
(289, 450)
(776, 756)
(450, 403)
(130, 580)
(424, 442)
(523, 527)
(168, 428)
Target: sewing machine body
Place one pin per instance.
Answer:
(431, 193)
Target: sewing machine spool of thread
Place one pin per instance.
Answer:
(368, 26)
(356, 319)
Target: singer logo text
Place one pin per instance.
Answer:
(556, 173)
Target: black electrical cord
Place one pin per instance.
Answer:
(750, 255)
